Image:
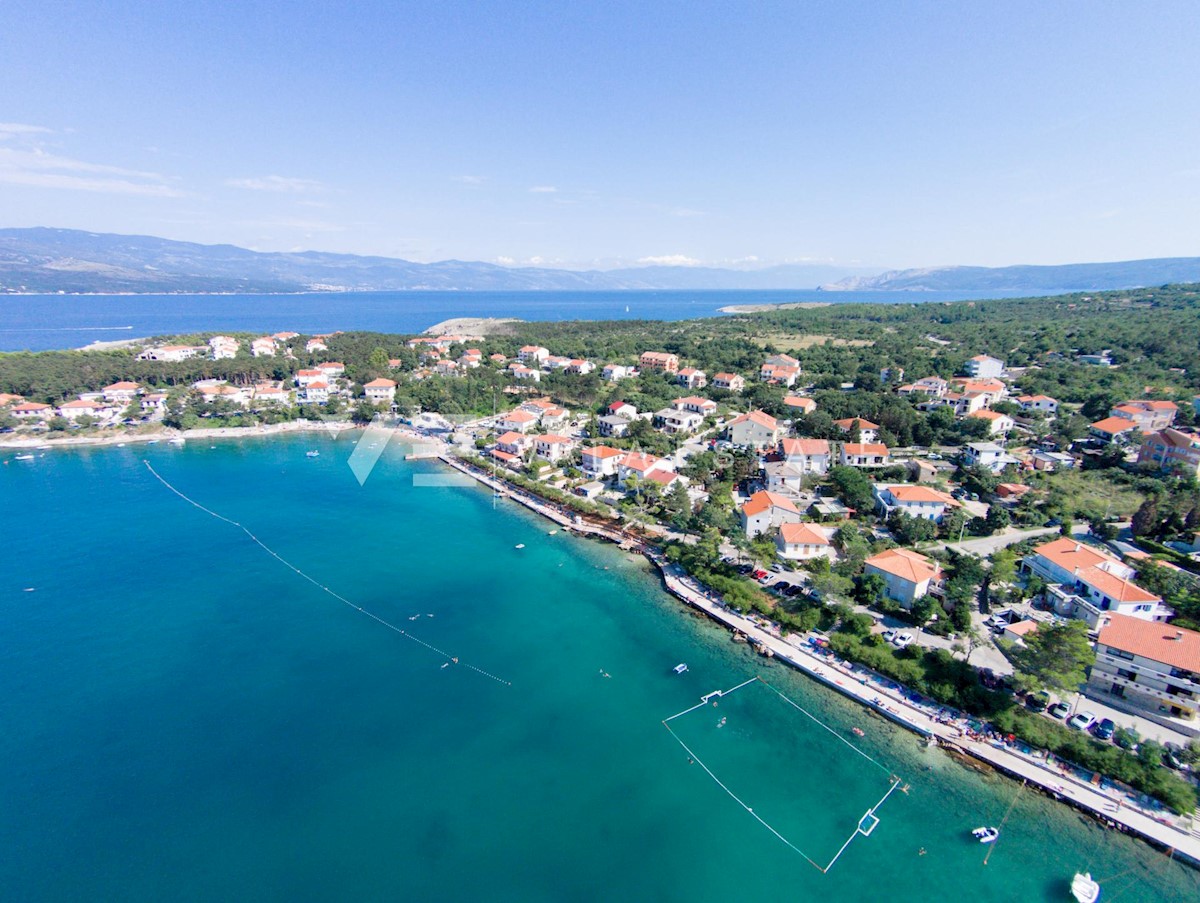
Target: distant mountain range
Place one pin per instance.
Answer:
(1071, 277)
(68, 260)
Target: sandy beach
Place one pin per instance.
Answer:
(474, 326)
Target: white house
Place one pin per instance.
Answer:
(535, 353)
(783, 478)
(803, 542)
(263, 347)
(987, 455)
(223, 347)
(757, 430)
(801, 404)
(867, 431)
(315, 344)
(154, 402)
(863, 454)
(1148, 669)
(692, 378)
(332, 369)
(612, 426)
(767, 509)
(998, 424)
(730, 382)
(808, 456)
(601, 461)
(659, 360)
(314, 393)
(517, 421)
(914, 500)
(514, 443)
(72, 410)
(520, 371)
(779, 374)
(31, 410)
(1042, 404)
(676, 420)
(121, 393)
(552, 447)
(305, 377)
(697, 405)
(380, 390)
(582, 367)
(269, 394)
(642, 466)
(907, 574)
(982, 366)
(173, 353)
(614, 372)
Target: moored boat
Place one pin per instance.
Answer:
(680, 668)
(1084, 889)
(986, 834)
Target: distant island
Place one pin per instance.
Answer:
(50, 261)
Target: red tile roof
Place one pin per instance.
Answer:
(763, 500)
(904, 564)
(1172, 646)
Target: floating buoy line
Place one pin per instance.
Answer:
(450, 659)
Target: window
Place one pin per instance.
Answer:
(1119, 653)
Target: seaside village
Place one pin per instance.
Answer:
(905, 550)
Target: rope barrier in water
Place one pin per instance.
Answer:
(893, 781)
(450, 659)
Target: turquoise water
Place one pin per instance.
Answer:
(186, 719)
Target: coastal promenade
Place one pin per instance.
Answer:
(948, 728)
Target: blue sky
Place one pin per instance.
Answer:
(602, 134)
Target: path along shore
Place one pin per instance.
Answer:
(160, 435)
(950, 729)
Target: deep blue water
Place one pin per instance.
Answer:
(183, 718)
(41, 322)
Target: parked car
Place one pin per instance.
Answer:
(889, 635)
(1105, 729)
(1038, 702)
(1059, 710)
(903, 639)
(1081, 721)
(934, 456)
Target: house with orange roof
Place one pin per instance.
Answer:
(677, 421)
(697, 405)
(154, 402)
(380, 391)
(779, 374)
(332, 369)
(1114, 429)
(804, 542)
(863, 454)
(316, 392)
(614, 372)
(933, 386)
(304, 377)
(998, 424)
(659, 360)
(263, 346)
(520, 371)
(73, 410)
(1042, 404)
(580, 366)
(641, 466)
(918, 501)
(518, 421)
(802, 404)
(219, 391)
(1087, 582)
(990, 390)
(121, 393)
(552, 447)
(730, 382)
(907, 575)
(172, 353)
(315, 344)
(767, 509)
(31, 410)
(533, 354)
(1148, 669)
(1171, 449)
(223, 347)
(691, 378)
(867, 431)
(1148, 414)
(7, 398)
(782, 360)
(808, 456)
(268, 394)
(601, 461)
(757, 430)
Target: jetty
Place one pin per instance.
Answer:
(949, 729)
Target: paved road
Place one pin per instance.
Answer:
(986, 545)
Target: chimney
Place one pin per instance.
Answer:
(1178, 635)
(1078, 547)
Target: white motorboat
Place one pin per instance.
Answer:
(519, 545)
(178, 440)
(23, 457)
(1084, 889)
(986, 834)
(312, 454)
(680, 668)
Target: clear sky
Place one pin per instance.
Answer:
(596, 134)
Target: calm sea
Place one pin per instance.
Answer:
(184, 718)
(40, 322)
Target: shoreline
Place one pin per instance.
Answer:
(165, 433)
(782, 305)
(885, 697)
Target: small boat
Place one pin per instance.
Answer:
(553, 533)
(312, 454)
(1084, 889)
(23, 458)
(519, 545)
(858, 731)
(986, 834)
(445, 664)
(178, 440)
(680, 668)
